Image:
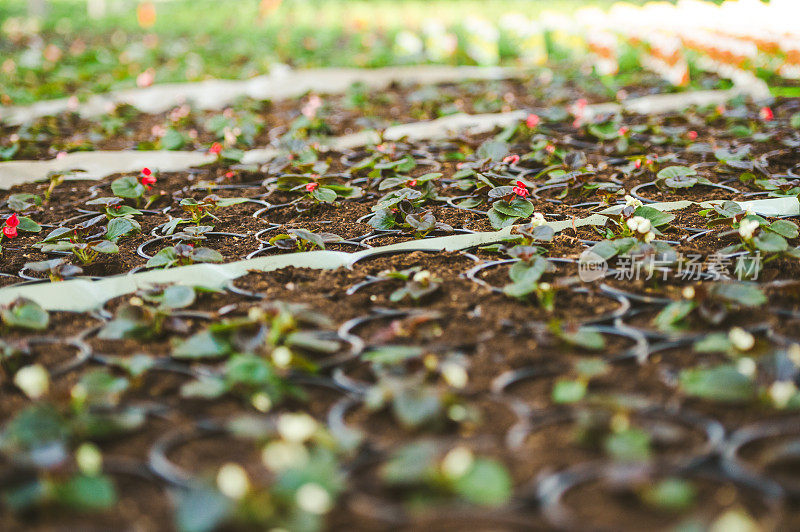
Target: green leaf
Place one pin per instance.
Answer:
(173, 140)
(324, 195)
(739, 293)
(84, 492)
(416, 407)
(25, 314)
(568, 391)
(713, 343)
(119, 227)
(795, 120)
(785, 228)
(671, 494)
(500, 220)
(656, 217)
(629, 445)
(204, 344)
(582, 337)
(207, 255)
(677, 173)
(519, 208)
(410, 464)
(127, 187)
(392, 354)
(178, 296)
(770, 242)
(311, 341)
(201, 509)
(20, 202)
(486, 483)
(28, 225)
(163, 259)
(671, 315)
(227, 202)
(106, 246)
(721, 383)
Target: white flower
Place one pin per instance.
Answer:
(688, 292)
(455, 374)
(537, 219)
(407, 44)
(794, 354)
(422, 277)
(282, 356)
(261, 402)
(746, 366)
(649, 237)
(747, 227)
(741, 339)
(781, 392)
(630, 201)
(644, 226)
(457, 462)
(33, 380)
(232, 481)
(545, 287)
(280, 455)
(296, 427)
(89, 459)
(313, 498)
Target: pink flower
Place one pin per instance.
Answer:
(637, 164)
(310, 187)
(692, 135)
(215, 148)
(229, 175)
(623, 131)
(532, 121)
(550, 149)
(412, 183)
(146, 78)
(520, 190)
(511, 159)
(766, 114)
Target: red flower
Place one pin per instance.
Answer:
(550, 148)
(215, 148)
(412, 183)
(623, 130)
(511, 159)
(637, 164)
(766, 114)
(310, 187)
(692, 135)
(520, 190)
(229, 175)
(532, 121)
(148, 179)
(10, 229)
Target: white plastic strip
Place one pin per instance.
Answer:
(80, 295)
(282, 83)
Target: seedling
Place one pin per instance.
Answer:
(183, 255)
(302, 240)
